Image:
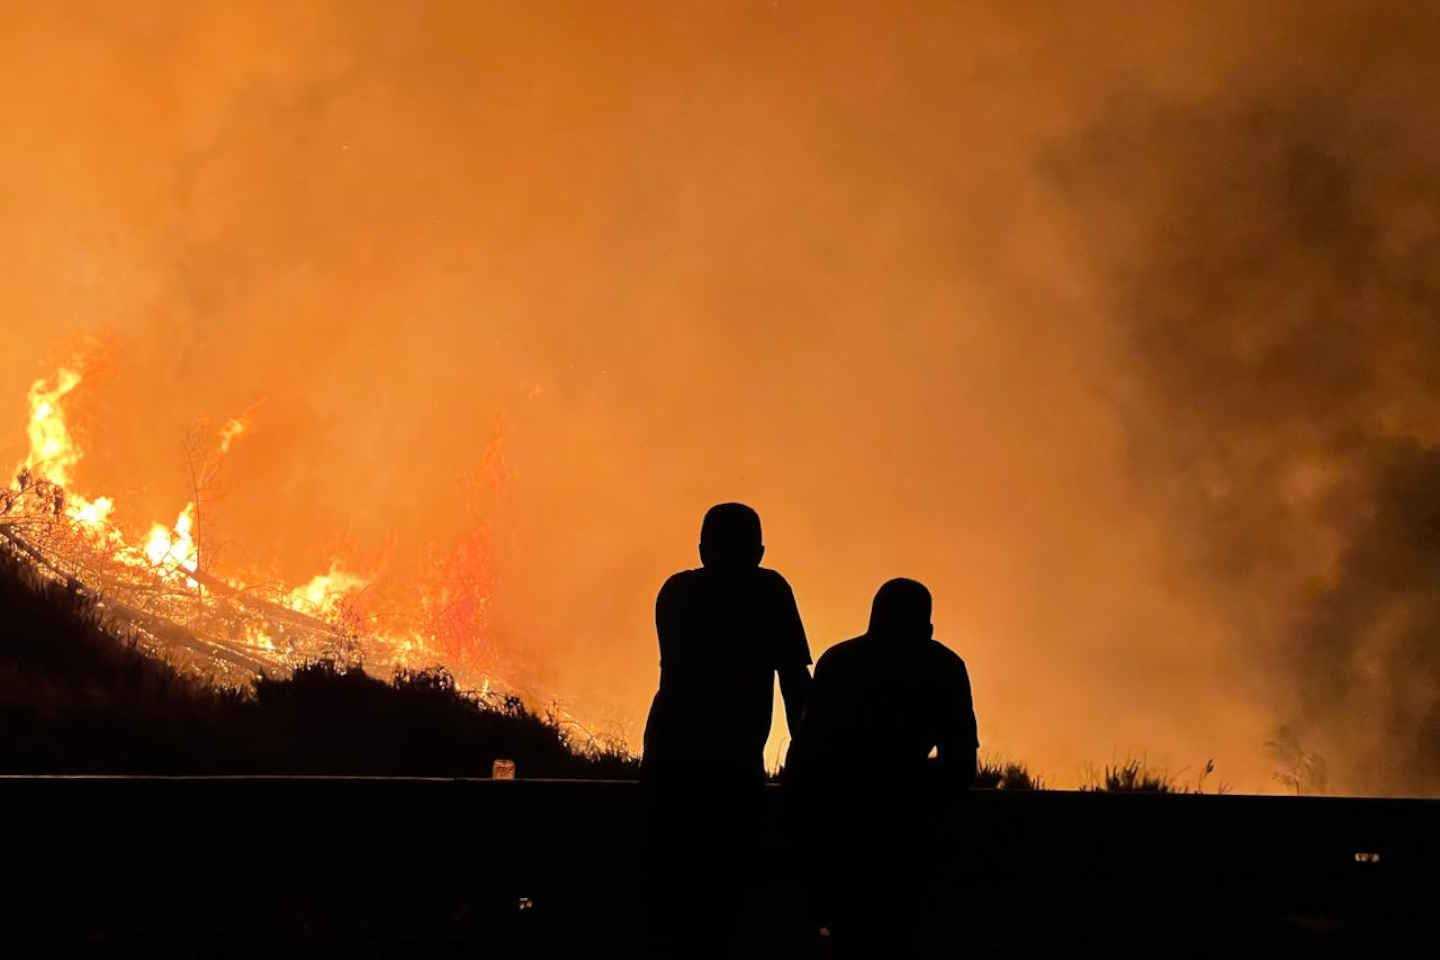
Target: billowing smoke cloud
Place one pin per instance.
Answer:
(1115, 326)
(1271, 257)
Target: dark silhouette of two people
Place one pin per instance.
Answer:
(862, 788)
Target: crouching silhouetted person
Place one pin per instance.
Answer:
(725, 631)
(864, 796)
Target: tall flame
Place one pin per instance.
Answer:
(53, 451)
(53, 454)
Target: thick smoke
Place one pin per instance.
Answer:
(1271, 257)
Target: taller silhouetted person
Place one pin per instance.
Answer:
(862, 789)
(726, 630)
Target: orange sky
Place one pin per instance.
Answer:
(872, 272)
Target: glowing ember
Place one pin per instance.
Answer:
(232, 429)
(256, 636)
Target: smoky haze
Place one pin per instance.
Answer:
(1116, 328)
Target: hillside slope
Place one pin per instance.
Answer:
(75, 697)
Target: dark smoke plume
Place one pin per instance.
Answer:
(1272, 263)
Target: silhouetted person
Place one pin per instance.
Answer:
(726, 630)
(863, 794)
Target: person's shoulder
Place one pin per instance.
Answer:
(681, 582)
(772, 578)
(841, 653)
(943, 658)
(773, 584)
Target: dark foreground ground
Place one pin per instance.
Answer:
(544, 868)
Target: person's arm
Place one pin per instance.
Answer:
(795, 691)
(656, 725)
(668, 624)
(792, 660)
(958, 749)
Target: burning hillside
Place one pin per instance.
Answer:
(224, 625)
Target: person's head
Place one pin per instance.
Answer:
(730, 537)
(901, 610)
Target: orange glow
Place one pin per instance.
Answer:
(1113, 323)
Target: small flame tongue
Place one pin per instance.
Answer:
(321, 597)
(174, 547)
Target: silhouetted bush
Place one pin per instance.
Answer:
(992, 774)
(77, 698)
(1133, 776)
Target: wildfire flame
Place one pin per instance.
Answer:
(168, 553)
(224, 625)
(324, 593)
(53, 454)
(173, 546)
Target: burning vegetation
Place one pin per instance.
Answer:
(232, 631)
(224, 628)
(80, 694)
